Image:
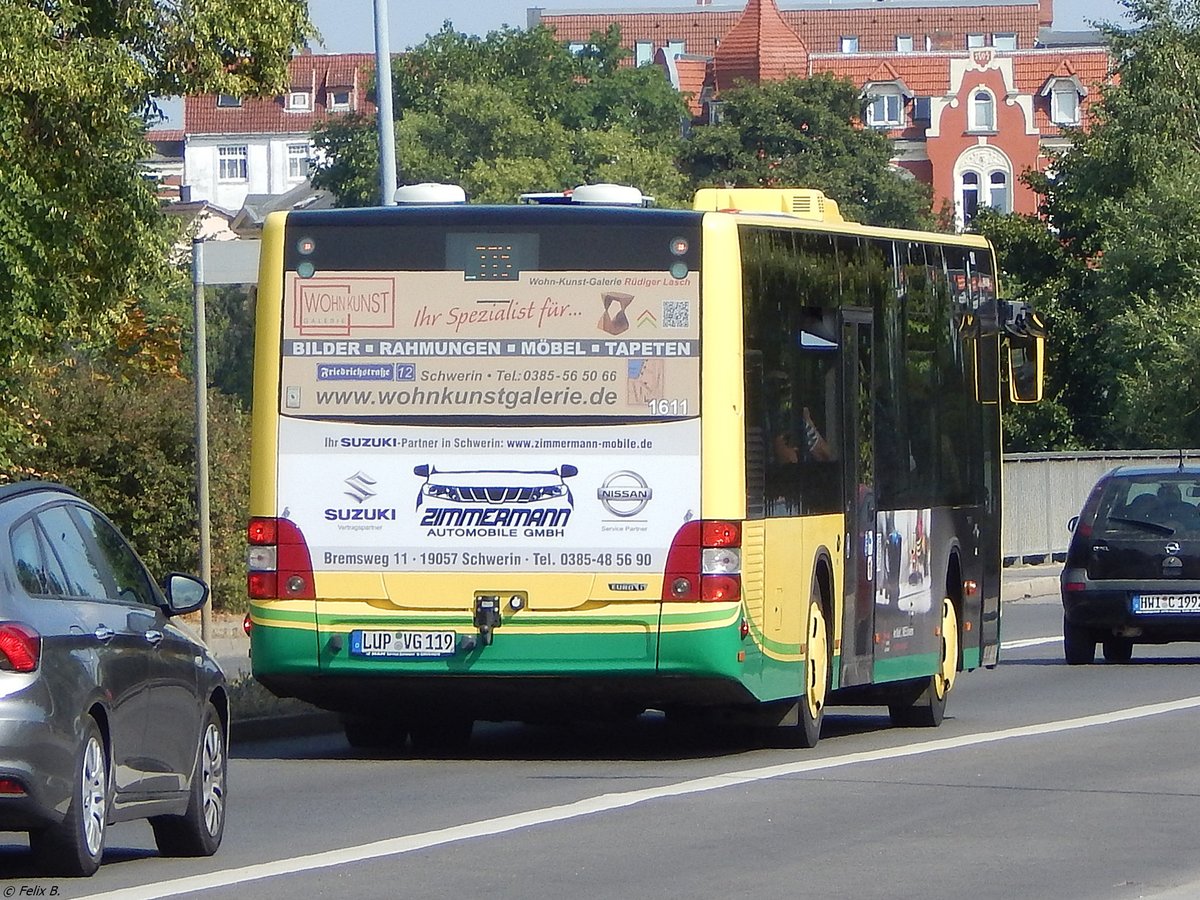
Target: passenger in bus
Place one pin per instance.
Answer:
(813, 447)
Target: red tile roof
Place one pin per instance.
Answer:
(821, 29)
(317, 74)
(760, 47)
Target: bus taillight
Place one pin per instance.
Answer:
(705, 562)
(278, 561)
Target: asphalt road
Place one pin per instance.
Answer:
(1044, 781)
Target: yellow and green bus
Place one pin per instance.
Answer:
(586, 458)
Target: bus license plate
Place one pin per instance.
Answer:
(1149, 604)
(401, 644)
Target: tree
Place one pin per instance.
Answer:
(806, 132)
(82, 242)
(515, 111)
(1122, 259)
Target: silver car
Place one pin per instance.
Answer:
(108, 710)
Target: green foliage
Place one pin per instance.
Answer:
(1119, 273)
(515, 111)
(128, 445)
(805, 132)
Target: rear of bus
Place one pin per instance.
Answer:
(476, 460)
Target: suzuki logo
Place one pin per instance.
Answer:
(360, 486)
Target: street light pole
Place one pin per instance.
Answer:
(201, 376)
(383, 102)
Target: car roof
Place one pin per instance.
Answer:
(1192, 470)
(21, 488)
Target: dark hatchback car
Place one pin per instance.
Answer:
(1132, 573)
(108, 710)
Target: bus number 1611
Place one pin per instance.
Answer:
(669, 407)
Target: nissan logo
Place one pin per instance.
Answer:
(624, 493)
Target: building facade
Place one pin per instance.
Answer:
(235, 147)
(971, 94)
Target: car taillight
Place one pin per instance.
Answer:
(705, 562)
(278, 562)
(20, 647)
(12, 787)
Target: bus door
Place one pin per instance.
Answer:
(858, 613)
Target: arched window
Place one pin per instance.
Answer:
(970, 196)
(983, 111)
(998, 196)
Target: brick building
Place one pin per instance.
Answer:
(971, 94)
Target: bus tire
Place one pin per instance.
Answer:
(929, 707)
(817, 670)
(441, 735)
(367, 733)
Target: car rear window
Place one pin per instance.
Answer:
(1169, 501)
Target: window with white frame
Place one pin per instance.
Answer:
(297, 159)
(231, 163)
(970, 197)
(1005, 40)
(998, 192)
(228, 101)
(676, 48)
(982, 111)
(976, 40)
(849, 43)
(1064, 103)
(904, 43)
(643, 53)
(299, 101)
(886, 109)
(339, 98)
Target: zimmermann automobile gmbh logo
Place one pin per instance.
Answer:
(624, 493)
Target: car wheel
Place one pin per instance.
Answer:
(1118, 649)
(199, 830)
(929, 708)
(1079, 644)
(75, 845)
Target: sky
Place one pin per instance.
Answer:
(349, 25)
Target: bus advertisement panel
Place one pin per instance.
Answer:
(594, 377)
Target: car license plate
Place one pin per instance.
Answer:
(1150, 604)
(401, 644)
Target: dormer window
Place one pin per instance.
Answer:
(982, 111)
(1005, 40)
(299, 101)
(849, 43)
(1064, 94)
(904, 43)
(228, 101)
(339, 98)
(886, 109)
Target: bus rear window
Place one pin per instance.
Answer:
(507, 324)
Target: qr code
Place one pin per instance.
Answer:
(676, 314)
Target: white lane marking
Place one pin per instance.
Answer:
(609, 802)
(1031, 642)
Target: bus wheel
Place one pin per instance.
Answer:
(439, 735)
(366, 733)
(929, 707)
(816, 675)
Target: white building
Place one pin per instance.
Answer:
(234, 146)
